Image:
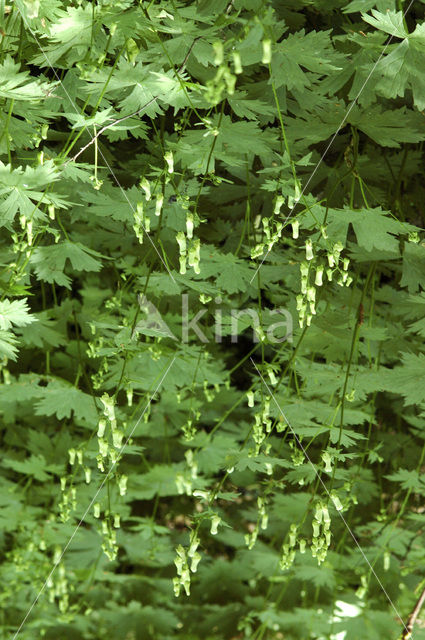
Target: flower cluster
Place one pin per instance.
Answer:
(272, 230)
(312, 271)
(142, 222)
(262, 522)
(287, 553)
(110, 522)
(94, 347)
(68, 502)
(189, 247)
(184, 479)
(224, 80)
(182, 560)
(321, 532)
(57, 585)
(263, 424)
(117, 435)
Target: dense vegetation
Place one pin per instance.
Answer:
(212, 400)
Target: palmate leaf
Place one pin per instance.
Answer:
(245, 107)
(60, 399)
(361, 91)
(408, 480)
(112, 203)
(22, 390)
(12, 314)
(160, 480)
(134, 86)
(32, 466)
(15, 84)
(152, 86)
(22, 190)
(71, 34)
(312, 51)
(49, 262)
(413, 274)
(233, 140)
(132, 617)
(375, 229)
(100, 118)
(400, 69)
(391, 22)
(15, 313)
(43, 333)
(232, 274)
(10, 506)
(323, 576)
(404, 379)
(8, 345)
(388, 128)
(293, 506)
(30, 177)
(261, 559)
(391, 127)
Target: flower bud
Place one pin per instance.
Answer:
(319, 276)
(237, 64)
(336, 501)
(195, 561)
(122, 485)
(309, 250)
(176, 586)
(103, 447)
(278, 204)
(101, 428)
(189, 225)
(304, 270)
(146, 188)
(219, 53)
(181, 241)
(267, 52)
(169, 160)
(158, 204)
(215, 521)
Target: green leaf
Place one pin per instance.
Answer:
(15, 313)
(403, 379)
(32, 466)
(413, 274)
(391, 22)
(8, 344)
(399, 69)
(14, 84)
(312, 51)
(389, 128)
(49, 261)
(61, 400)
(375, 229)
(408, 480)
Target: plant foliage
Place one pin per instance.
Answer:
(170, 159)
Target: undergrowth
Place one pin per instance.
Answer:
(212, 319)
